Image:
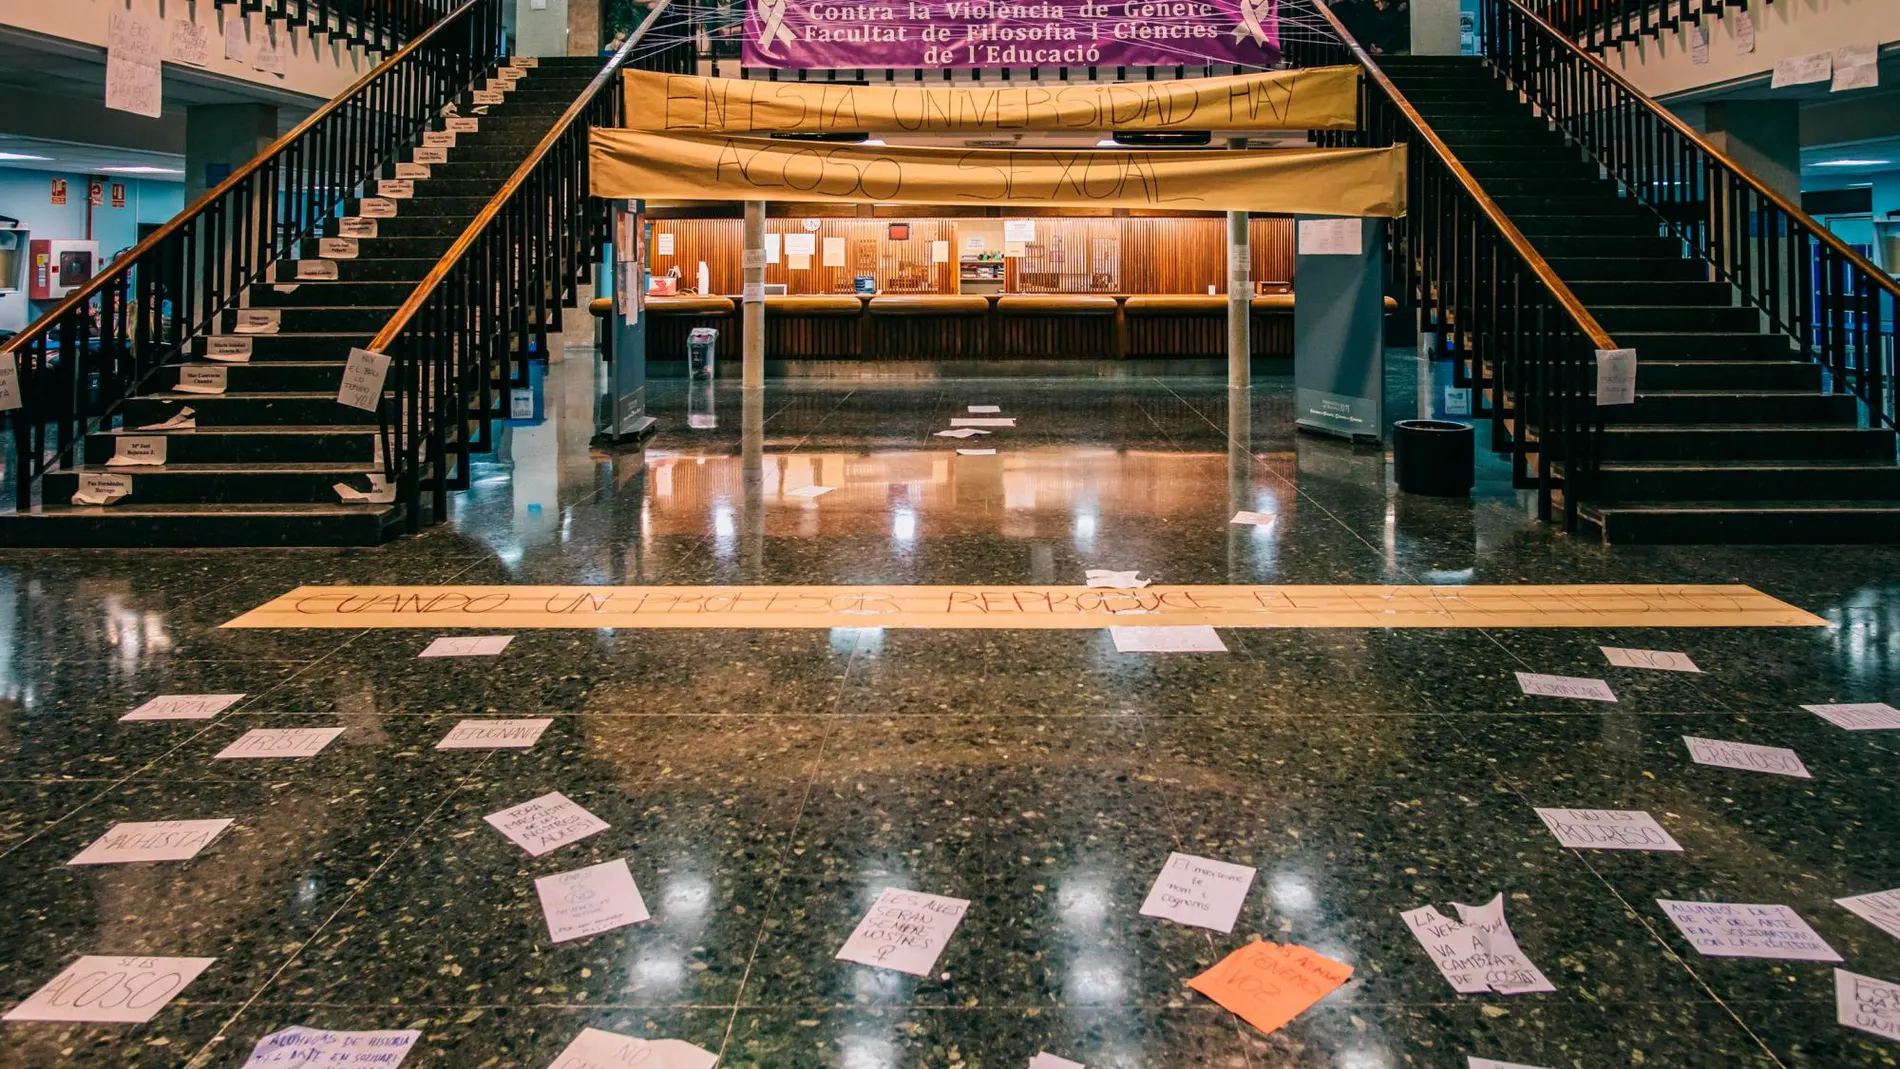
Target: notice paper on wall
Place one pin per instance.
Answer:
(1192, 638)
(1699, 44)
(771, 248)
(1746, 756)
(236, 48)
(549, 822)
(801, 244)
(363, 376)
(1743, 930)
(905, 931)
(1044, 1060)
(279, 742)
(299, 1046)
(1661, 660)
(1856, 67)
(939, 252)
(268, 56)
(1607, 829)
(1331, 237)
(183, 707)
(593, 1049)
(1880, 909)
(797, 261)
(1616, 376)
(189, 43)
(834, 252)
(1021, 231)
(117, 990)
(1744, 32)
(1199, 892)
(584, 902)
(1859, 716)
(1867, 1004)
(1268, 984)
(134, 79)
(1802, 70)
(663, 244)
(467, 646)
(1476, 954)
(157, 840)
(976, 452)
(1594, 690)
(495, 734)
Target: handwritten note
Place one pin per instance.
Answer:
(1252, 519)
(1594, 690)
(1880, 909)
(280, 742)
(595, 1049)
(495, 734)
(1863, 716)
(834, 253)
(134, 79)
(1492, 1063)
(301, 1046)
(1607, 829)
(131, 451)
(1330, 237)
(363, 376)
(1867, 1004)
(1746, 756)
(545, 823)
(1199, 891)
(1050, 1061)
(978, 410)
(467, 646)
(183, 707)
(1744, 32)
(1856, 67)
(110, 989)
(1801, 70)
(1741, 930)
(584, 902)
(1699, 44)
(236, 48)
(905, 931)
(983, 421)
(158, 840)
(259, 320)
(1616, 376)
(1103, 577)
(1660, 660)
(976, 452)
(1269, 984)
(1476, 954)
(10, 396)
(228, 348)
(961, 432)
(1194, 638)
(190, 43)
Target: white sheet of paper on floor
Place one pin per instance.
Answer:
(138, 451)
(106, 989)
(102, 488)
(129, 842)
(1199, 891)
(228, 348)
(524, 62)
(318, 271)
(1856, 67)
(184, 419)
(810, 491)
(1475, 1062)
(961, 432)
(977, 410)
(378, 208)
(1616, 376)
(1253, 519)
(1607, 829)
(595, 1049)
(584, 902)
(1192, 638)
(1867, 1003)
(1103, 577)
(1859, 716)
(363, 376)
(1746, 756)
(467, 646)
(976, 452)
(279, 742)
(205, 380)
(235, 47)
(9, 383)
(381, 491)
(1747, 930)
(259, 320)
(702, 421)
(183, 707)
(905, 931)
(1543, 686)
(300, 1046)
(495, 734)
(1880, 909)
(1802, 70)
(1744, 32)
(549, 822)
(1050, 1061)
(1476, 954)
(983, 421)
(1661, 660)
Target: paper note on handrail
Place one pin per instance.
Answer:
(363, 379)
(1616, 376)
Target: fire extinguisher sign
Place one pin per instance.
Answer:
(59, 191)
(118, 194)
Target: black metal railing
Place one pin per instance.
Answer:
(1518, 336)
(1604, 24)
(1827, 298)
(466, 334)
(81, 360)
(375, 24)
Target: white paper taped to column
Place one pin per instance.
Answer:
(228, 348)
(337, 248)
(9, 383)
(119, 990)
(317, 271)
(259, 320)
(393, 189)
(413, 172)
(463, 124)
(101, 488)
(206, 380)
(138, 451)
(357, 226)
(1616, 376)
(752, 293)
(363, 379)
(1331, 237)
(379, 207)
(751, 258)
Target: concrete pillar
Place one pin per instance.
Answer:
(1762, 136)
(1239, 295)
(541, 27)
(584, 22)
(752, 301)
(1434, 27)
(220, 138)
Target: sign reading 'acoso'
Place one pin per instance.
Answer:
(1362, 182)
(1312, 98)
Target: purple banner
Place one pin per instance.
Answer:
(822, 34)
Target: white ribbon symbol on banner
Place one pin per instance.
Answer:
(1251, 12)
(773, 12)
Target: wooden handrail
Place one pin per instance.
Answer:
(426, 288)
(1599, 338)
(129, 260)
(1822, 233)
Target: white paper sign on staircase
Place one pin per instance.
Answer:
(438, 139)
(317, 271)
(102, 488)
(511, 74)
(1616, 376)
(337, 248)
(378, 207)
(210, 380)
(363, 380)
(228, 348)
(9, 383)
(429, 156)
(393, 189)
(356, 226)
(525, 62)
(412, 171)
(259, 320)
(129, 451)
(484, 96)
(463, 124)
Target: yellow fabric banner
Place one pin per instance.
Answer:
(1365, 182)
(1310, 98)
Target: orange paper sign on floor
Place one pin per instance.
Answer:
(1269, 984)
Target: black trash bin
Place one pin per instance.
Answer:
(1434, 457)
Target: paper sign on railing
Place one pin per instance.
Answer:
(429, 156)
(229, 349)
(337, 248)
(1616, 376)
(393, 189)
(378, 207)
(412, 171)
(463, 125)
(9, 383)
(356, 226)
(363, 380)
(316, 271)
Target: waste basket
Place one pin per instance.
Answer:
(1433, 457)
(700, 343)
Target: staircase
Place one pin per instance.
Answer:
(262, 463)
(1734, 436)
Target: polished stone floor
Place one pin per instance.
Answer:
(764, 786)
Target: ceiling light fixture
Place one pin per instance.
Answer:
(1853, 163)
(22, 156)
(141, 170)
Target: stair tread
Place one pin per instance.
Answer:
(1696, 428)
(303, 467)
(235, 396)
(1745, 465)
(254, 428)
(1747, 506)
(129, 509)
